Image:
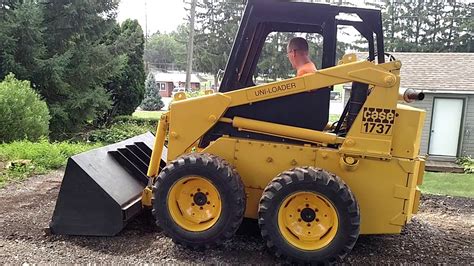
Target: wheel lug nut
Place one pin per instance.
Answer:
(299, 220)
(192, 204)
(207, 193)
(308, 224)
(198, 189)
(201, 208)
(299, 210)
(316, 210)
(208, 202)
(192, 195)
(307, 205)
(317, 220)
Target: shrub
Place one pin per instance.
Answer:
(468, 163)
(25, 158)
(120, 131)
(148, 121)
(193, 93)
(23, 115)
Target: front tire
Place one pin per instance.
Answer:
(307, 215)
(199, 200)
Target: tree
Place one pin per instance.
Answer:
(72, 74)
(152, 101)
(217, 25)
(164, 51)
(22, 39)
(273, 62)
(127, 88)
(427, 25)
(217, 22)
(55, 45)
(76, 56)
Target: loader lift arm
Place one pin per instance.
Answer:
(212, 108)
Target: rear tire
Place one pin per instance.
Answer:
(307, 215)
(199, 200)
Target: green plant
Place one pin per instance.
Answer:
(467, 162)
(192, 94)
(119, 131)
(150, 120)
(23, 115)
(22, 159)
(334, 118)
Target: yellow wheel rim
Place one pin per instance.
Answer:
(194, 203)
(307, 220)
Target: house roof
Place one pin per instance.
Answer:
(436, 71)
(174, 77)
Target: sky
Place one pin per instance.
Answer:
(163, 15)
(166, 15)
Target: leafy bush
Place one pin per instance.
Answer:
(21, 159)
(468, 163)
(148, 121)
(23, 115)
(192, 94)
(120, 131)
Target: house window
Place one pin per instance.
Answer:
(161, 86)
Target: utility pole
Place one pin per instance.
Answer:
(189, 60)
(146, 34)
(146, 24)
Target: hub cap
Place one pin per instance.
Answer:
(307, 220)
(200, 198)
(194, 203)
(308, 215)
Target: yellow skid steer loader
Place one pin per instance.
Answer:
(267, 152)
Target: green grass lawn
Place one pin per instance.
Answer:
(334, 118)
(339, 88)
(29, 158)
(148, 114)
(448, 184)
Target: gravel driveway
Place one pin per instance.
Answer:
(441, 233)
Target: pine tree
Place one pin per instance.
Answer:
(152, 101)
(76, 64)
(427, 25)
(65, 48)
(21, 38)
(128, 86)
(217, 23)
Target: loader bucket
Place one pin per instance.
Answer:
(101, 189)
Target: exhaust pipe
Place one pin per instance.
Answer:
(411, 95)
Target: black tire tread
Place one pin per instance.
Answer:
(321, 177)
(233, 180)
